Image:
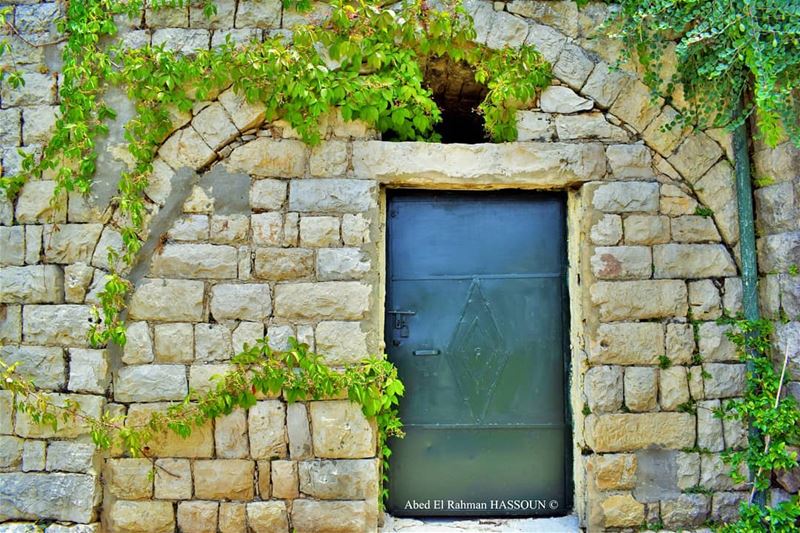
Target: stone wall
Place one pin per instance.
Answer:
(253, 233)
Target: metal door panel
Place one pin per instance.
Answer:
(475, 325)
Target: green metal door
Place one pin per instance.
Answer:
(476, 326)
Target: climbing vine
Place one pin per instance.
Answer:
(297, 373)
(723, 49)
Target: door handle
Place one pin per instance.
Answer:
(426, 352)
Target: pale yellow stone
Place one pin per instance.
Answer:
(224, 479)
(614, 471)
(197, 517)
(141, 517)
(168, 444)
(129, 479)
(628, 432)
(622, 510)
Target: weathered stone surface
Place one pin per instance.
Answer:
(348, 300)
(270, 158)
(692, 261)
(267, 517)
(546, 40)
(614, 471)
(714, 345)
(10, 324)
(110, 238)
(12, 245)
(230, 436)
(246, 333)
(680, 343)
(141, 517)
(310, 516)
(695, 156)
(230, 479)
(282, 264)
(70, 243)
(249, 301)
(33, 455)
(244, 114)
(588, 126)
(215, 126)
(604, 85)
(138, 345)
(607, 230)
(688, 473)
(43, 364)
(626, 432)
(715, 474)
(33, 244)
(195, 261)
(717, 191)
(68, 497)
(232, 517)
(342, 264)
(724, 380)
(267, 431)
(299, 432)
(709, 427)
(534, 126)
(629, 160)
(259, 14)
(285, 484)
(199, 201)
(339, 480)
(267, 228)
(319, 231)
(626, 300)
(692, 228)
(603, 388)
(230, 229)
(77, 279)
(31, 284)
(573, 66)
(662, 138)
(673, 390)
(10, 452)
(622, 510)
(646, 229)
(328, 159)
(340, 430)
(151, 383)
(622, 262)
(543, 164)
(129, 478)
(725, 506)
(88, 371)
(186, 149)
(212, 342)
(173, 479)
(10, 127)
(268, 194)
(675, 201)
(56, 324)
(634, 106)
(628, 343)
(560, 99)
(6, 413)
(775, 205)
(626, 197)
(704, 300)
(38, 89)
(641, 388)
(198, 517)
(778, 252)
(341, 343)
(168, 300)
(687, 510)
(174, 343)
(69, 456)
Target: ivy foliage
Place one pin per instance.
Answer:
(724, 50)
(296, 373)
(775, 415)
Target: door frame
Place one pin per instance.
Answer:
(574, 359)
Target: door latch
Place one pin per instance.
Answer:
(401, 321)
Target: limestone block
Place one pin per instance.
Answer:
(622, 262)
(198, 517)
(341, 343)
(614, 471)
(627, 432)
(263, 484)
(342, 264)
(267, 194)
(88, 371)
(692, 261)
(725, 381)
(607, 230)
(646, 229)
(169, 300)
(33, 244)
(717, 191)
(778, 252)
(641, 388)
(675, 202)
(174, 343)
(151, 383)
(141, 517)
(340, 300)
(267, 430)
(546, 40)
(341, 431)
(312, 516)
(129, 478)
(56, 496)
(10, 324)
(534, 126)
(673, 390)
(299, 432)
(319, 231)
(212, 342)
(12, 245)
(43, 364)
(284, 480)
(604, 85)
(626, 197)
(573, 66)
(704, 300)
(264, 14)
(10, 453)
(70, 456)
(696, 383)
(680, 343)
(39, 122)
(725, 506)
(199, 201)
(622, 510)
(687, 510)
(588, 126)
(246, 334)
(695, 156)
(77, 279)
(663, 134)
(340, 480)
(688, 474)
(626, 300)
(139, 345)
(245, 115)
(562, 14)
(775, 205)
(195, 261)
(6, 413)
(284, 264)
(34, 206)
(630, 161)
(231, 229)
(182, 41)
(267, 517)
(10, 127)
(249, 301)
(692, 228)
(628, 343)
(267, 228)
(224, 479)
(223, 18)
(31, 284)
(279, 336)
(109, 239)
(634, 105)
(230, 435)
(165, 17)
(215, 126)
(709, 428)
(329, 159)
(560, 99)
(173, 479)
(603, 388)
(33, 455)
(232, 517)
(38, 89)
(271, 158)
(506, 31)
(56, 324)
(245, 260)
(332, 195)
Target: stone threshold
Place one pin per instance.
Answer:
(564, 524)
